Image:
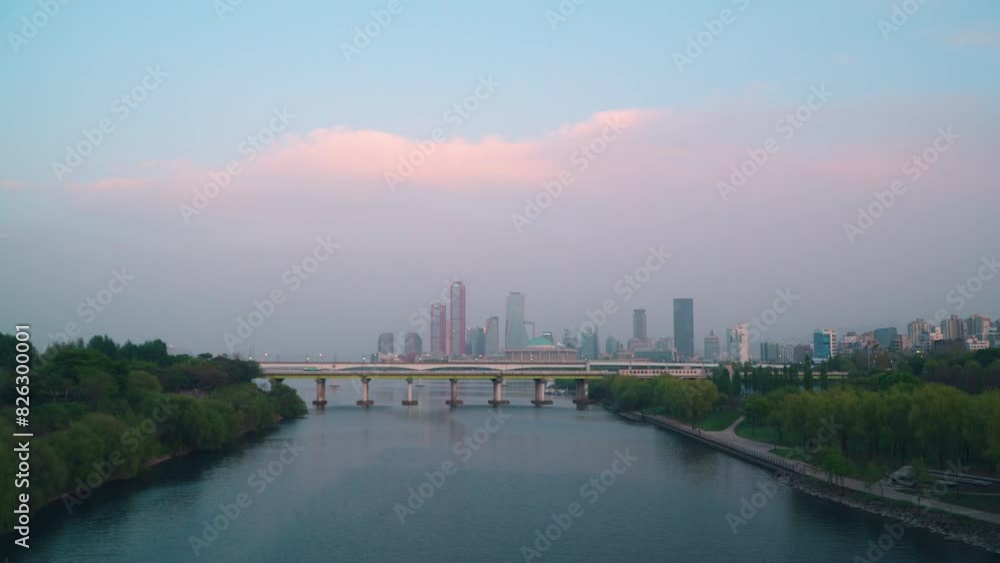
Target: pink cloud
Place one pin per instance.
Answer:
(8, 184)
(362, 156)
(110, 184)
(655, 151)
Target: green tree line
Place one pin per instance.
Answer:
(684, 399)
(101, 411)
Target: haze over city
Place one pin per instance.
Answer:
(553, 86)
(474, 282)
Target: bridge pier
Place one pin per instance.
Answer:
(320, 401)
(540, 394)
(365, 402)
(582, 396)
(454, 402)
(409, 402)
(498, 400)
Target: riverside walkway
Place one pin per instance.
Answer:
(759, 453)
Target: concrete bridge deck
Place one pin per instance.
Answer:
(462, 375)
(582, 398)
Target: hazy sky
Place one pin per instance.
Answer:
(504, 96)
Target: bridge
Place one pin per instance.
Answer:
(453, 372)
(487, 366)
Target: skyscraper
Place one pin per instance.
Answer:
(712, 349)
(916, 331)
(571, 339)
(885, 337)
(684, 327)
(475, 341)
(612, 346)
(977, 326)
(515, 337)
(492, 336)
(439, 334)
(413, 345)
(386, 342)
(529, 329)
(639, 324)
(457, 319)
(738, 343)
(589, 347)
(953, 328)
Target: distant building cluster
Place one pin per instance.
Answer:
(515, 340)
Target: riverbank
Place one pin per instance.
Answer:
(76, 496)
(973, 527)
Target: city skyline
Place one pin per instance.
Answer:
(743, 339)
(281, 269)
(854, 179)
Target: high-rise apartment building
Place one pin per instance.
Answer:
(684, 327)
(515, 337)
(916, 331)
(977, 327)
(770, 352)
(457, 319)
(439, 330)
(953, 328)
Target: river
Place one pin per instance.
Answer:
(336, 486)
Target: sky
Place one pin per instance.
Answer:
(168, 166)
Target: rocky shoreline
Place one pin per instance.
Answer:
(979, 534)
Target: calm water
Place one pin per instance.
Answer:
(335, 501)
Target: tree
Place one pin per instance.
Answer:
(756, 408)
(823, 381)
(807, 374)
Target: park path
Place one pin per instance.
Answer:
(728, 439)
(729, 435)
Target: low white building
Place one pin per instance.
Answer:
(977, 344)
